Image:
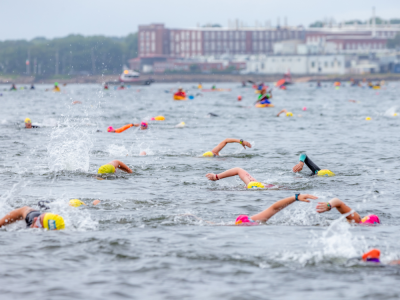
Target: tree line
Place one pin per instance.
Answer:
(71, 55)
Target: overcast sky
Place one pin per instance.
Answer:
(26, 19)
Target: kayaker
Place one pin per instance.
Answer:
(264, 96)
(180, 93)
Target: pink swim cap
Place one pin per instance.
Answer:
(143, 124)
(153, 119)
(244, 220)
(371, 219)
(109, 129)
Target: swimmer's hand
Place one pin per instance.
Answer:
(306, 197)
(322, 207)
(298, 167)
(246, 144)
(211, 176)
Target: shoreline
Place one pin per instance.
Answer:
(203, 78)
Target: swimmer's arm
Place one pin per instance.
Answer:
(120, 165)
(341, 207)
(244, 175)
(281, 112)
(279, 205)
(15, 215)
(136, 125)
(221, 145)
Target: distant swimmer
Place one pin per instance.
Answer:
(106, 87)
(264, 96)
(142, 153)
(200, 86)
(76, 102)
(288, 113)
(13, 87)
(215, 152)
(34, 219)
(122, 87)
(351, 215)
(248, 180)
(28, 124)
(112, 166)
(32, 87)
(143, 126)
(315, 170)
(214, 87)
(56, 87)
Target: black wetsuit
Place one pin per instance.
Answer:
(313, 167)
(31, 216)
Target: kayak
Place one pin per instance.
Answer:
(376, 87)
(179, 98)
(264, 105)
(216, 90)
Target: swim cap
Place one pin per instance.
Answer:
(27, 120)
(143, 124)
(104, 169)
(158, 118)
(76, 202)
(209, 154)
(372, 255)
(289, 114)
(109, 129)
(325, 173)
(55, 83)
(244, 220)
(368, 118)
(255, 184)
(53, 222)
(371, 219)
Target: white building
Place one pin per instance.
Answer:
(297, 64)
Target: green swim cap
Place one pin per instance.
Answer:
(105, 169)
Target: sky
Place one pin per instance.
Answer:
(27, 19)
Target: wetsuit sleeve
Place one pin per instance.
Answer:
(313, 167)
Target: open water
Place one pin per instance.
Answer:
(141, 242)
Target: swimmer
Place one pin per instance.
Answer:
(143, 126)
(352, 216)
(315, 170)
(34, 219)
(106, 87)
(373, 256)
(32, 87)
(264, 96)
(13, 87)
(267, 214)
(112, 166)
(248, 180)
(215, 152)
(28, 124)
(142, 153)
(288, 113)
(76, 102)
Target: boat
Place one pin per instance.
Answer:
(259, 105)
(179, 98)
(130, 77)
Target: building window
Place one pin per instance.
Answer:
(153, 36)
(153, 47)
(312, 64)
(267, 35)
(193, 35)
(326, 64)
(273, 35)
(243, 46)
(237, 35)
(212, 35)
(219, 35)
(243, 35)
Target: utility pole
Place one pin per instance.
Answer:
(56, 62)
(93, 63)
(35, 66)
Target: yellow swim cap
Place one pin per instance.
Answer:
(395, 115)
(325, 173)
(209, 154)
(159, 118)
(27, 120)
(368, 118)
(53, 222)
(76, 202)
(289, 114)
(106, 169)
(255, 184)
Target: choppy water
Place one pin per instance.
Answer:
(139, 242)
